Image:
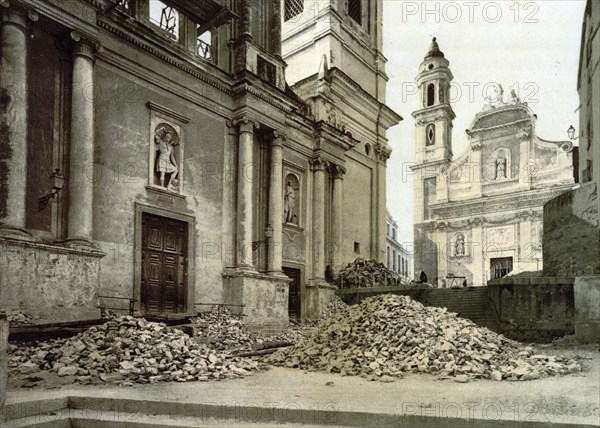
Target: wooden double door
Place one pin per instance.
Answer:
(164, 264)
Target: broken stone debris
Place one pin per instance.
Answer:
(126, 350)
(366, 273)
(20, 318)
(385, 336)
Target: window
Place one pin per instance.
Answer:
(355, 10)
(501, 267)
(430, 94)
(395, 267)
(203, 45)
(165, 17)
(394, 233)
(292, 8)
(430, 135)
(357, 248)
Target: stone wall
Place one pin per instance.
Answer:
(53, 282)
(535, 309)
(572, 233)
(587, 308)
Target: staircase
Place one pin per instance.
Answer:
(472, 303)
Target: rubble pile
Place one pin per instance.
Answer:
(19, 318)
(221, 330)
(366, 273)
(335, 305)
(127, 350)
(385, 336)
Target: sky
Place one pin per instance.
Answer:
(532, 47)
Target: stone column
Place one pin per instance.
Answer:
(81, 177)
(13, 123)
(229, 196)
(337, 213)
(276, 28)
(319, 167)
(245, 183)
(275, 254)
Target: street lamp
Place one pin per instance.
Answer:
(57, 183)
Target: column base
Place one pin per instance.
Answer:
(80, 243)
(15, 232)
(277, 274)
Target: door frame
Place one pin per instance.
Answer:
(302, 290)
(137, 260)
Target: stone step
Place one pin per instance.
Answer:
(100, 412)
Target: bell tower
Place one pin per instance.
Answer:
(434, 116)
(433, 126)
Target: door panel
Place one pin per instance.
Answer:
(294, 292)
(164, 264)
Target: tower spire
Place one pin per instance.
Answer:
(434, 50)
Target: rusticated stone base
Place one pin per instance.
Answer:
(261, 299)
(52, 281)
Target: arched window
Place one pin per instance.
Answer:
(430, 135)
(430, 94)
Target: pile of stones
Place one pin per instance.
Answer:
(335, 305)
(385, 336)
(19, 318)
(366, 273)
(129, 350)
(221, 330)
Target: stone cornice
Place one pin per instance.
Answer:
(169, 58)
(167, 112)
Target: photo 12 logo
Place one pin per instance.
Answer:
(470, 12)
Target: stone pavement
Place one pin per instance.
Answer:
(296, 398)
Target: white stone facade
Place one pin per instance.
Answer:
(399, 259)
(479, 216)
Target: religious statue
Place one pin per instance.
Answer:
(500, 168)
(513, 98)
(459, 247)
(166, 162)
(290, 203)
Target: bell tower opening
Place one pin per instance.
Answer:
(430, 94)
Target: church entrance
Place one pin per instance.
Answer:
(501, 267)
(164, 264)
(294, 292)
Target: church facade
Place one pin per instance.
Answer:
(480, 215)
(155, 156)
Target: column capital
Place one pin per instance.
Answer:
(278, 138)
(84, 46)
(318, 164)
(246, 124)
(337, 171)
(13, 16)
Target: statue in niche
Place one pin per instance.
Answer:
(165, 140)
(289, 215)
(500, 168)
(513, 98)
(459, 247)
